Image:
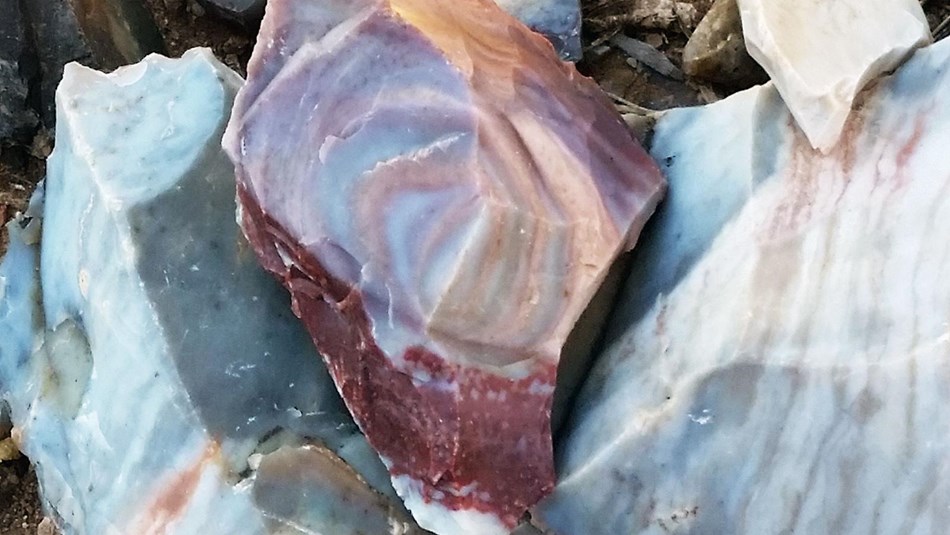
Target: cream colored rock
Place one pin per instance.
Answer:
(820, 53)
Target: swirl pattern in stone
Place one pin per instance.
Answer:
(442, 196)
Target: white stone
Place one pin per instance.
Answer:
(820, 53)
(780, 360)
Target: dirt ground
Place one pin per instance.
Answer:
(184, 25)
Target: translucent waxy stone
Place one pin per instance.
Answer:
(442, 196)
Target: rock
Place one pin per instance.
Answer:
(645, 54)
(558, 20)
(8, 450)
(716, 51)
(168, 368)
(5, 424)
(820, 54)
(442, 213)
(245, 13)
(309, 486)
(17, 67)
(46, 527)
(103, 34)
(778, 361)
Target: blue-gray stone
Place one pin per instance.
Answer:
(163, 367)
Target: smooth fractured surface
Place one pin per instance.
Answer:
(162, 357)
(443, 197)
(779, 362)
(821, 53)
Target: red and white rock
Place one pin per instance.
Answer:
(442, 196)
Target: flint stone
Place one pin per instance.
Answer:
(443, 197)
(166, 359)
(778, 361)
(245, 13)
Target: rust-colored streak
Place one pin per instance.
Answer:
(173, 496)
(907, 150)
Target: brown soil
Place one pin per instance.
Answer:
(185, 25)
(20, 513)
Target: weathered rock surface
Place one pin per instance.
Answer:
(443, 197)
(716, 50)
(103, 34)
(820, 54)
(17, 118)
(778, 362)
(162, 384)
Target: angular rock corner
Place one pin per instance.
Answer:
(821, 54)
(783, 332)
(442, 213)
(153, 369)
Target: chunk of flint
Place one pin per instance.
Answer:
(168, 364)
(442, 196)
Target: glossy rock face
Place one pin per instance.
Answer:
(778, 363)
(154, 371)
(820, 53)
(442, 196)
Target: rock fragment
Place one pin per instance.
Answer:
(820, 54)
(443, 197)
(783, 332)
(716, 50)
(166, 360)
